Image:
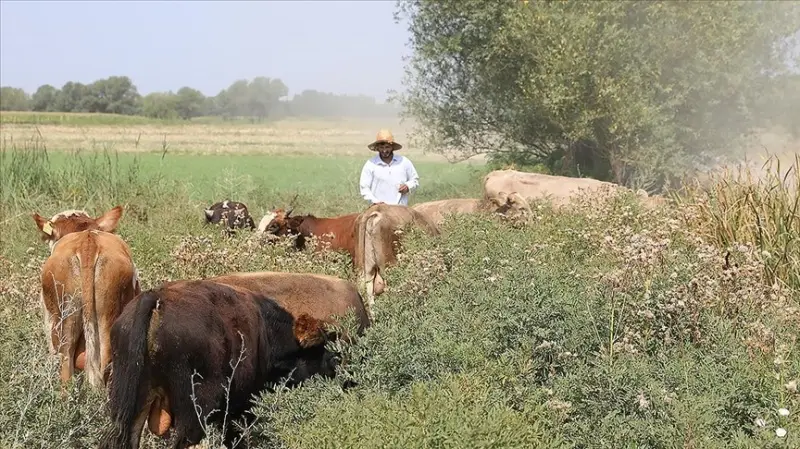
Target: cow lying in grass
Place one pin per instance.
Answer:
(503, 203)
(202, 326)
(558, 190)
(230, 214)
(86, 281)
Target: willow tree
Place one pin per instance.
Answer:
(632, 92)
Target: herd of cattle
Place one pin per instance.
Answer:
(146, 348)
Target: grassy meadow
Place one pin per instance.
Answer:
(604, 325)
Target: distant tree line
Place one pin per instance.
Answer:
(260, 98)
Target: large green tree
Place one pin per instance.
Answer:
(113, 95)
(633, 92)
(190, 103)
(162, 105)
(45, 98)
(73, 97)
(14, 99)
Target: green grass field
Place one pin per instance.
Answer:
(604, 325)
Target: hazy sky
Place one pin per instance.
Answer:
(334, 46)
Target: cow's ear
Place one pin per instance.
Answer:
(108, 221)
(44, 225)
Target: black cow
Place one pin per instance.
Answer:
(232, 214)
(167, 333)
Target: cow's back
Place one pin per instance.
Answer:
(95, 269)
(342, 228)
(437, 210)
(113, 255)
(376, 228)
(539, 186)
(395, 216)
(319, 296)
(117, 279)
(60, 274)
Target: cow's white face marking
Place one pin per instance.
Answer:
(69, 213)
(209, 213)
(225, 204)
(262, 225)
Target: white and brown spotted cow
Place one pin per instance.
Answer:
(86, 281)
(231, 214)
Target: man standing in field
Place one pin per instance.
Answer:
(386, 177)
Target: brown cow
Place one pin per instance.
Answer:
(218, 331)
(300, 293)
(437, 210)
(336, 233)
(86, 281)
(377, 239)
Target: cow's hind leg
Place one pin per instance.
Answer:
(187, 427)
(370, 297)
(185, 422)
(68, 336)
(187, 435)
(106, 312)
(47, 321)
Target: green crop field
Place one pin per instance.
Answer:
(601, 325)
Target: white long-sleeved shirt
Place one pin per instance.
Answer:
(379, 181)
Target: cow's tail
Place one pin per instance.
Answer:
(129, 388)
(88, 258)
(371, 257)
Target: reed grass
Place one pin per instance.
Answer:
(735, 206)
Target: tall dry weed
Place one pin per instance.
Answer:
(736, 207)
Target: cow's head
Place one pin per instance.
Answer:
(510, 203)
(70, 221)
(279, 223)
(231, 214)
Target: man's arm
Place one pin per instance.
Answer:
(413, 176)
(364, 183)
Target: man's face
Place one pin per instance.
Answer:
(385, 150)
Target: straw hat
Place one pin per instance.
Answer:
(384, 135)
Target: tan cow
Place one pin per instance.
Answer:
(86, 281)
(502, 204)
(559, 190)
(377, 239)
(536, 186)
(316, 295)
